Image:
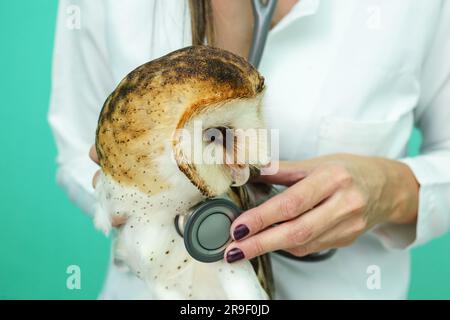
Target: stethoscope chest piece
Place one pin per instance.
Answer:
(206, 228)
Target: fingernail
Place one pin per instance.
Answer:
(240, 231)
(234, 255)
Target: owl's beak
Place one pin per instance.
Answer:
(243, 175)
(239, 174)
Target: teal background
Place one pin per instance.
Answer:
(42, 233)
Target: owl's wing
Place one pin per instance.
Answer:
(261, 264)
(263, 269)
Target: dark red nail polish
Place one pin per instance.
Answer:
(234, 255)
(240, 231)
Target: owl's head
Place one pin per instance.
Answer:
(201, 104)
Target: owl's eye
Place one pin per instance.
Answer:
(218, 135)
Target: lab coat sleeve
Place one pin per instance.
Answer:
(432, 166)
(81, 80)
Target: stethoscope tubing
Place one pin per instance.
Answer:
(313, 257)
(262, 12)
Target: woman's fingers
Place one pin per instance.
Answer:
(294, 233)
(288, 174)
(93, 154)
(95, 178)
(342, 235)
(118, 220)
(299, 198)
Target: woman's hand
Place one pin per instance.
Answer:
(94, 157)
(116, 220)
(330, 201)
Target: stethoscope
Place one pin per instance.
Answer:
(205, 228)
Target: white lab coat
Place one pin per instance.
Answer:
(342, 76)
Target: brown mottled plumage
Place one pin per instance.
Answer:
(157, 98)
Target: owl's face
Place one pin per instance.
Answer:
(210, 95)
(218, 146)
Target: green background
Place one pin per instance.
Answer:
(42, 233)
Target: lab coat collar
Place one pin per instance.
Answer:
(301, 9)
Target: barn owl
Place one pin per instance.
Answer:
(147, 175)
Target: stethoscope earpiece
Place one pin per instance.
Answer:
(206, 228)
(262, 12)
